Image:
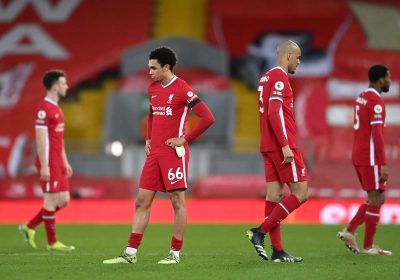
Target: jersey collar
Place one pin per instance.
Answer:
(278, 67)
(373, 90)
(48, 99)
(170, 82)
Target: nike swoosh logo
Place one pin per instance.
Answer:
(153, 96)
(175, 181)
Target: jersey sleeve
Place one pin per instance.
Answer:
(149, 123)
(279, 85)
(376, 113)
(42, 117)
(188, 95)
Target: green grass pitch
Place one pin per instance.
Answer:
(209, 252)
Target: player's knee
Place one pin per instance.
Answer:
(142, 203)
(178, 203)
(302, 195)
(62, 204)
(276, 197)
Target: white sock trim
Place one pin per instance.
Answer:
(130, 251)
(176, 253)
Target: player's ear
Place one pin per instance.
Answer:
(54, 87)
(166, 67)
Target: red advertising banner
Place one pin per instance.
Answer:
(81, 187)
(200, 211)
(81, 37)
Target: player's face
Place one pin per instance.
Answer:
(61, 87)
(386, 82)
(294, 60)
(157, 72)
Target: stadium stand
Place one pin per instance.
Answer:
(223, 47)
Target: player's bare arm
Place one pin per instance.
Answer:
(384, 173)
(147, 147)
(287, 155)
(41, 150)
(67, 167)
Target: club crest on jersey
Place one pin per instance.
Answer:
(170, 98)
(41, 114)
(279, 86)
(378, 109)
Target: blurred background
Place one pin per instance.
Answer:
(223, 48)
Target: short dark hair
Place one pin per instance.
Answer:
(52, 77)
(376, 72)
(164, 56)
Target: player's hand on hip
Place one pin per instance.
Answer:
(384, 173)
(288, 155)
(45, 173)
(147, 148)
(68, 170)
(175, 142)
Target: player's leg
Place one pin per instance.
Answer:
(376, 199)
(140, 221)
(358, 219)
(29, 227)
(174, 170)
(347, 234)
(275, 192)
(57, 194)
(62, 201)
(294, 176)
(180, 220)
(299, 195)
(150, 183)
(369, 177)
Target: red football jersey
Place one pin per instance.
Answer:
(369, 111)
(50, 117)
(168, 107)
(277, 123)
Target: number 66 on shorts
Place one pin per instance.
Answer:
(164, 172)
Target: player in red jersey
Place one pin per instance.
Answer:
(369, 160)
(167, 151)
(282, 159)
(51, 161)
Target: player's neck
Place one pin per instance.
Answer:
(168, 77)
(378, 89)
(284, 67)
(53, 96)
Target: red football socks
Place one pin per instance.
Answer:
(49, 221)
(275, 232)
(36, 220)
(176, 244)
(358, 219)
(32, 224)
(280, 212)
(371, 224)
(134, 240)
